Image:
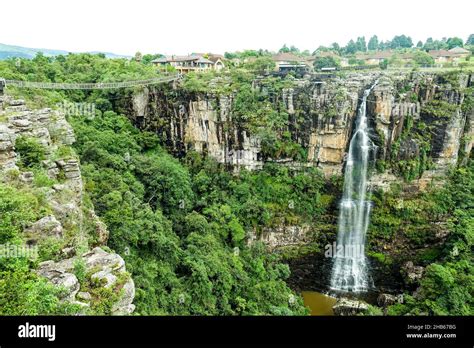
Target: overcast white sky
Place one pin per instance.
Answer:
(185, 26)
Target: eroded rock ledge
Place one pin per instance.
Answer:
(68, 220)
(100, 268)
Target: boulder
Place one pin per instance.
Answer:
(100, 258)
(85, 296)
(107, 267)
(345, 306)
(61, 278)
(16, 102)
(105, 277)
(124, 306)
(412, 273)
(46, 227)
(384, 300)
(26, 177)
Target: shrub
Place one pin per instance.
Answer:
(31, 152)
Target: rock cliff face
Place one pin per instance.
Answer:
(282, 236)
(201, 123)
(426, 104)
(321, 117)
(418, 120)
(69, 221)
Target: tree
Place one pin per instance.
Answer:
(454, 42)
(373, 43)
(230, 55)
(284, 49)
(419, 44)
(351, 47)
(431, 44)
(470, 40)
(325, 62)
(306, 53)
(401, 41)
(225, 223)
(385, 45)
(31, 152)
(147, 58)
(361, 44)
(294, 49)
(262, 65)
(423, 59)
(321, 49)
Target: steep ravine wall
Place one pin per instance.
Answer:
(321, 117)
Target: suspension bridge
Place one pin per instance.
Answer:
(87, 86)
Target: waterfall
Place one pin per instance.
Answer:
(350, 271)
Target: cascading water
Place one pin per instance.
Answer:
(350, 271)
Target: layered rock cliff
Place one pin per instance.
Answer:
(321, 115)
(70, 227)
(422, 124)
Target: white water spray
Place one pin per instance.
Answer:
(350, 271)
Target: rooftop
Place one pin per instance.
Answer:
(458, 49)
(287, 57)
(442, 53)
(190, 58)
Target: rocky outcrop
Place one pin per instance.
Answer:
(333, 108)
(398, 106)
(68, 221)
(49, 127)
(7, 153)
(412, 273)
(101, 269)
(384, 300)
(345, 306)
(46, 227)
(202, 124)
(282, 236)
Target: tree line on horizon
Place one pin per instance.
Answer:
(362, 45)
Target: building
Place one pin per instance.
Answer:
(454, 55)
(375, 57)
(460, 51)
(193, 62)
(218, 61)
(285, 62)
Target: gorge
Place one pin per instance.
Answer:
(416, 148)
(183, 190)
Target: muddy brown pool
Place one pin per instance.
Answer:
(318, 303)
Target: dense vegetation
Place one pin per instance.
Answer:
(410, 225)
(181, 224)
(181, 228)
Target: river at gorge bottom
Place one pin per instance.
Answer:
(318, 303)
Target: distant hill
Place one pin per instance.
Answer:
(9, 51)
